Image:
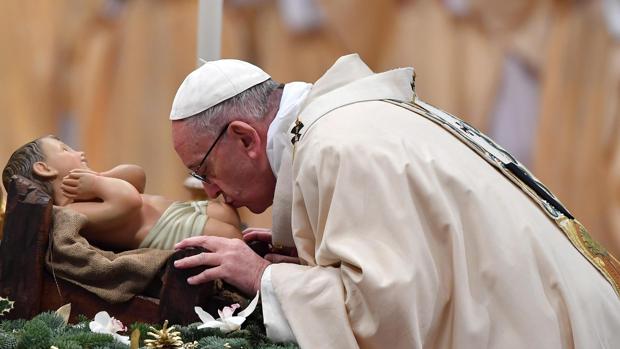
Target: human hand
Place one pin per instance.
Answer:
(276, 255)
(230, 260)
(257, 234)
(79, 184)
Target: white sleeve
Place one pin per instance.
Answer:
(278, 328)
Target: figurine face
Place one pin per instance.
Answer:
(61, 158)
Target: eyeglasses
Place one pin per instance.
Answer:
(204, 178)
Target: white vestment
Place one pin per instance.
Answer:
(409, 239)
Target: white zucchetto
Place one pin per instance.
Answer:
(212, 83)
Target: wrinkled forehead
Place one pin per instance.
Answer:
(189, 144)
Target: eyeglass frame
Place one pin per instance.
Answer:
(203, 178)
(195, 174)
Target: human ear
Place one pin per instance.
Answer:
(247, 135)
(42, 169)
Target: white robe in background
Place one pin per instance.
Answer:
(409, 239)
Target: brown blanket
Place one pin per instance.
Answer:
(115, 277)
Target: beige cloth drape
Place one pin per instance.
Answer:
(115, 277)
(33, 54)
(129, 68)
(459, 58)
(106, 69)
(577, 143)
(256, 31)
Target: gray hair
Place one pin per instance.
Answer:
(249, 105)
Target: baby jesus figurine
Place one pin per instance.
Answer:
(120, 216)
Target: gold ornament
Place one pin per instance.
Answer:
(193, 345)
(165, 338)
(64, 312)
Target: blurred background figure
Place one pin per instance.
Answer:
(542, 77)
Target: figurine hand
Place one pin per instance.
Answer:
(230, 260)
(79, 185)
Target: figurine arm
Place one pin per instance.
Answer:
(133, 174)
(118, 198)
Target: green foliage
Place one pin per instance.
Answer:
(218, 343)
(81, 318)
(7, 341)
(47, 329)
(191, 332)
(66, 343)
(281, 346)
(86, 338)
(113, 345)
(12, 325)
(54, 321)
(36, 335)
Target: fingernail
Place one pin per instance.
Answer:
(190, 281)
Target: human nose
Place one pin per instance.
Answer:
(211, 189)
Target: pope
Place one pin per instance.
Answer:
(412, 229)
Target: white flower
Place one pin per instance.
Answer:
(103, 323)
(227, 322)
